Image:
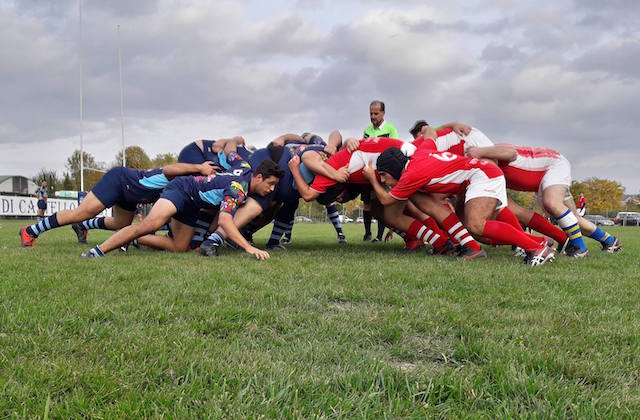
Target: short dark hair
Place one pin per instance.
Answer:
(269, 168)
(377, 102)
(417, 127)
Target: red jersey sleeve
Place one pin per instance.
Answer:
(412, 180)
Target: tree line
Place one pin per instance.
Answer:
(135, 156)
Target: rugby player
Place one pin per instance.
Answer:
(120, 188)
(548, 173)
(482, 183)
(182, 200)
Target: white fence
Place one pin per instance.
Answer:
(28, 206)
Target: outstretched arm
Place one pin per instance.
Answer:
(180, 169)
(303, 188)
(497, 153)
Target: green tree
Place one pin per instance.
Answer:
(524, 199)
(603, 195)
(163, 159)
(136, 158)
(67, 182)
(91, 176)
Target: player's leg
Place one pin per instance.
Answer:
(553, 201)
(160, 213)
(434, 206)
(89, 207)
(409, 228)
(608, 242)
(334, 217)
(536, 222)
(366, 218)
(281, 224)
(179, 241)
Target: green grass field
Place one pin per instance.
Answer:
(362, 330)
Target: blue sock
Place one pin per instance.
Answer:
(96, 251)
(569, 224)
(279, 228)
(332, 213)
(95, 223)
(216, 238)
(200, 233)
(602, 236)
(43, 225)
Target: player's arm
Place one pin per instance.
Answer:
(460, 129)
(225, 220)
(334, 143)
(384, 197)
(497, 153)
(315, 163)
(223, 144)
(180, 169)
(305, 191)
(287, 138)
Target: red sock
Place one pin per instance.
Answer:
(505, 233)
(505, 215)
(421, 232)
(459, 233)
(431, 223)
(542, 225)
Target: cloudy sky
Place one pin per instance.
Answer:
(562, 74)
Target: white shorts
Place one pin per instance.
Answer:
(481, 186)
(558, 174)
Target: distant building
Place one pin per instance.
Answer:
(16, 184)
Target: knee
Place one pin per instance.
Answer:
(475, 225)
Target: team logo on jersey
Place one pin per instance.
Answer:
(237, 188)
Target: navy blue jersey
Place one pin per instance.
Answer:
(228, 190)
(192, 154)
(126, 187)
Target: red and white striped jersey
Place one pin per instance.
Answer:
(525, 173)
(367, 153)
(441, 172)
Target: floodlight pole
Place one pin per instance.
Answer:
(81, 95)
(124, 159)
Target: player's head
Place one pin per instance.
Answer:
(417, 127)
(390, 165)
(376, 112)
(43, 183)
(265, 177)
(581, 195)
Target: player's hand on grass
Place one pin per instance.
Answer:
(258, 253)
(208, 168)
(369, 173)
(294, 162)
(352, 144)
(461, 129)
